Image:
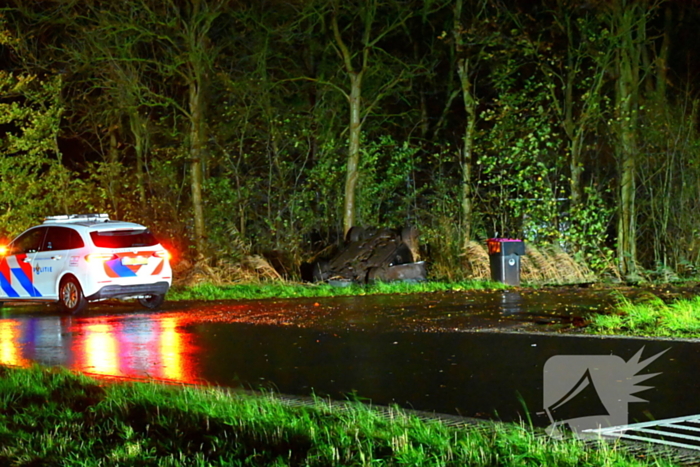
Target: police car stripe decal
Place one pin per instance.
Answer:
(5, 279)
(25, 282)
(119, 269)
(7, 288)
(27, 269)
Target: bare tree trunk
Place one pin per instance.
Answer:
(466, 87)
(664, 200)
(199, 52)
(626, 106)
(112, 166)
(141, 143)
(467, 150)
(661, 64)
(366, 14)
(575, 137)
(355, 127)
(196, 165)
(353, 150)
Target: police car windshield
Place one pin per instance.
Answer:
(123, 238)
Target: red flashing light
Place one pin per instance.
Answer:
(163, 254)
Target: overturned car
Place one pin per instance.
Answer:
(371, 254)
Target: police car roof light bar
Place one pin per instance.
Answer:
(68, 218)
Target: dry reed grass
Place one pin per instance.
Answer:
(253, 268)
(568, 267)
(476, 260)
(261, 267)
(544, 265)
(538, 267)
(552, 265)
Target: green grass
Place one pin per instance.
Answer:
(651, 317)
(53, 417)
(255, 291)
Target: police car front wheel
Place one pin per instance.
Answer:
(71, 296)
(152, 301)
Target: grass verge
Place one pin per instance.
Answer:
(650, 317)
(255, 291)
(54, 417)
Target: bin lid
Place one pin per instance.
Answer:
(495, 246)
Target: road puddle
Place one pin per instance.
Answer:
(522, 309)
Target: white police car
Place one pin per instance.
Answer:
(75, 259)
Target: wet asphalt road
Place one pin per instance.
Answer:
(477, 354)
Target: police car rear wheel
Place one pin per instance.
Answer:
(152, 301)
(71, 295)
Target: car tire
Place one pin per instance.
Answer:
(371, 275)
(402, 255)
(320, 271)
(409, 235)
(71, 296)
(355, 234)
(152, 301)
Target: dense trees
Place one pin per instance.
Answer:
(261, 126)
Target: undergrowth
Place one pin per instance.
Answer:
(53, 417)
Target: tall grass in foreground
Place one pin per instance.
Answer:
(252, 291)
(53, 417)
(651, 317)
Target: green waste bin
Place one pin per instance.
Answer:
(504, 258)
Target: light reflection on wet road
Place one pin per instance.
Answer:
(418, 351)
(124, 346)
